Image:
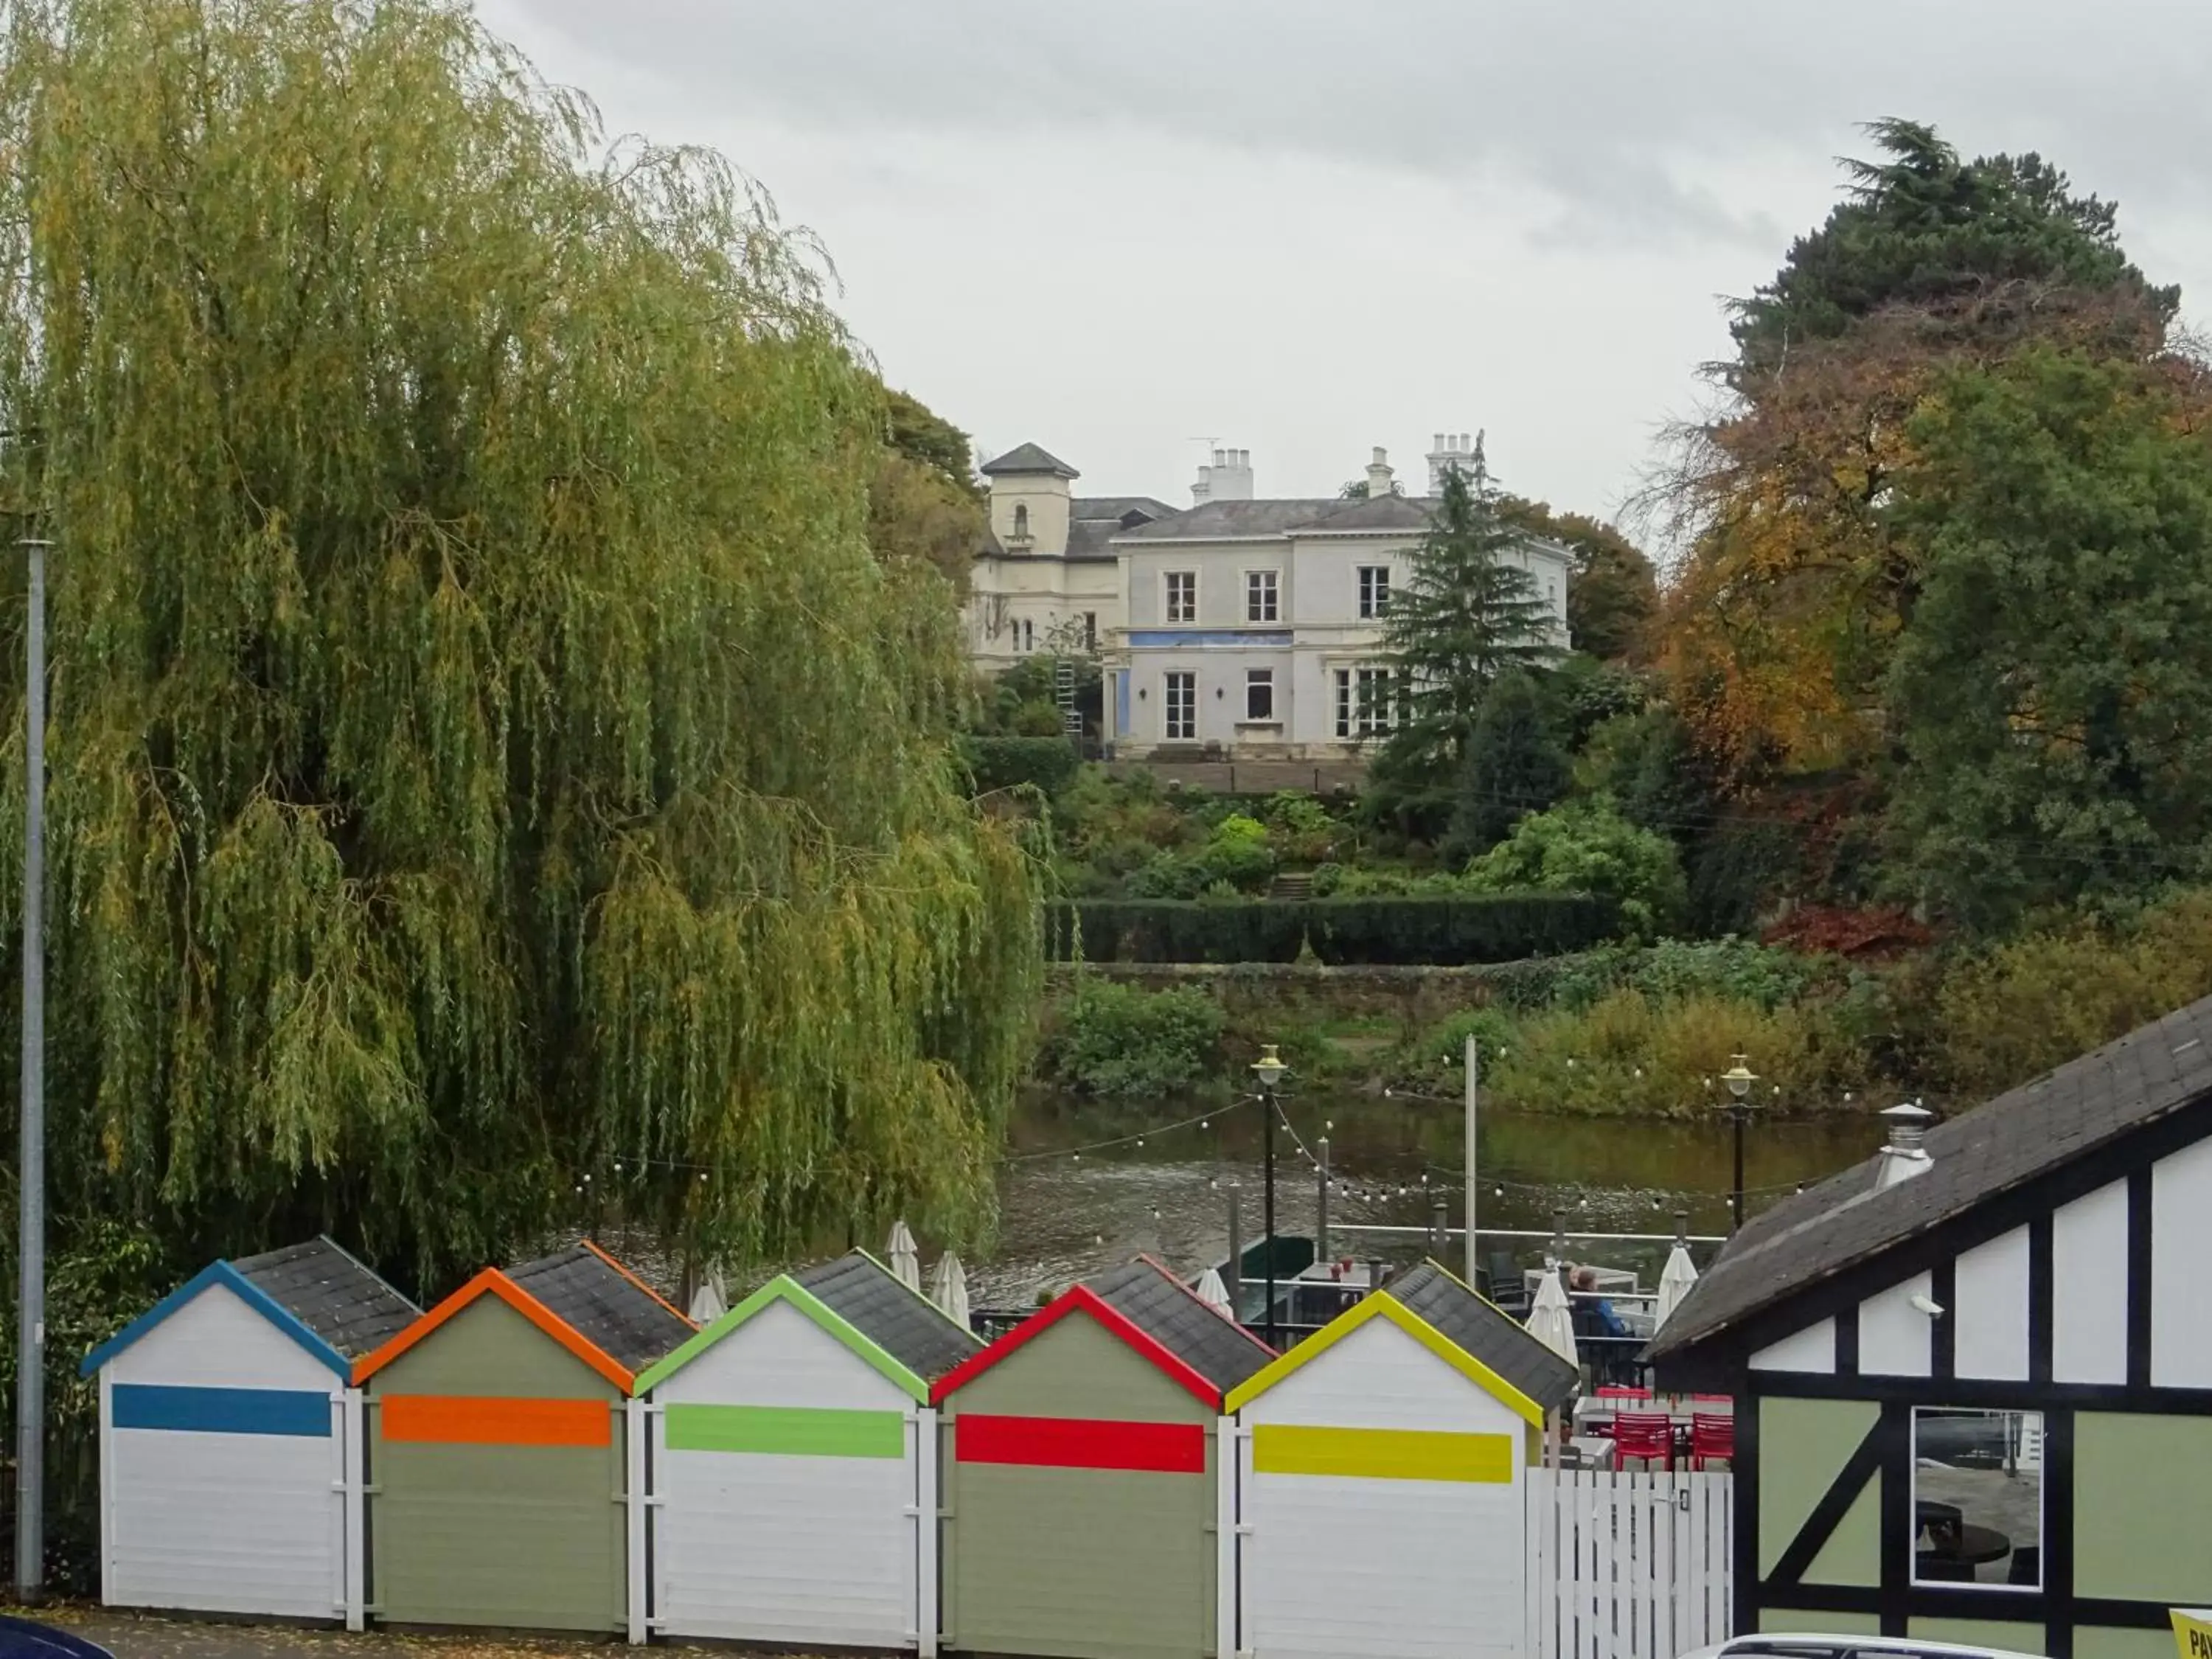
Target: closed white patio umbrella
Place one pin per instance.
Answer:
(906, 1257)
(1211, 1291)
(710, 1300)
(1552, 1319)
(1674, 1281)
(948, 1288)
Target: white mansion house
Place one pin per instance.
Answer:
(1237, 627)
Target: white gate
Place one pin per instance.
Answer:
(1624, 1564)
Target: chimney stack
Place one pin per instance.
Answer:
(1229, 478)
(1906, 1153)
(1378, 476)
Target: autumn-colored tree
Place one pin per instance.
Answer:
(1612, 592)
(923, 502)
(1785, 605)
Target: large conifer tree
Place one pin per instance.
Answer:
(1466, 614)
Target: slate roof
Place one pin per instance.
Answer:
(905, 1324)
(2145, 1075)
(1030, 459)
(1380, 513)
(332, 1294)
(1489, 1335)
(586, 1292)
(1239, 520)
(1156, 1303)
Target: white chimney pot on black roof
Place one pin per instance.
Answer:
(1905, 1154)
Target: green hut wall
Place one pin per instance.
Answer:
(1073, 1562)
(491, 1521)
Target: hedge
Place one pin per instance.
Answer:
(1050, 763)
(1439, 932)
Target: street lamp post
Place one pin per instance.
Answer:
(1739, 1078)
(1269, 1069)
(31, 1200)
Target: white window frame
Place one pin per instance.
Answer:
(1374, 581)
(1255, 678)
(2042, 1501)
(1359, 713)
(1263, 585)
(1168, 687)
(1169, 579)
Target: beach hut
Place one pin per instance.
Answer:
(230, 1441)
(1380, 1486)
(1080, 1502)
(795, 1464)
(499, 1450)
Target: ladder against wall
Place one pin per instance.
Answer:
(1626, 1564)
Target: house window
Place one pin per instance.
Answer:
(1260, 596)
(1090, 630)
(1363, 702)
(1183, 596)
(1978, 1497)
(1021, 523)
(1024, 636)
(1374, 592)
(1181, 708)
(1259, 694)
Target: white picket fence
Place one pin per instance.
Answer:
(1624, 1564)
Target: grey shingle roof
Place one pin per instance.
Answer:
(1491, 1336)
(1117, 508)
(604, 1305)
(332, 1294)
(1153, 1300)
(1028, 457)
(2085, 1103)
(1381, 513)
(1240, 518)
(905, 1325)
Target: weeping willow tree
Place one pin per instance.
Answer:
(484, 754)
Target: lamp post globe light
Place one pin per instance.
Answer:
(1739, 1078)
(1268, 1069)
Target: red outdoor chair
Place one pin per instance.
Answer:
(1650, 1437)
(1712, 1434)
(1622, 1391)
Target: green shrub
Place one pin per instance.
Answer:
(2008, 1013)
(1238, 852)
(1585, 847)
(1326, 880)
(1237, 930)
(1123, 1042)
(1164, 876)
(1633, 1054)
(1005, 762)
(1437, 1056)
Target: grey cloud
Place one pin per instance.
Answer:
(1614, 109)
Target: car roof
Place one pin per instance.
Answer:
(1785, 1644)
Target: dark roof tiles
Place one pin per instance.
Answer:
(1481, 1330)
(586, 1292)
(2027, 1132)
(332, 1294)
(1156, 1303)
(1029, 458)
(905, 1324)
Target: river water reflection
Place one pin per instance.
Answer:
(1070, 1205)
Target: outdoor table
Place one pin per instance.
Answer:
(1595, 1450)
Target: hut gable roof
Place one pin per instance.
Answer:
(315, 1293)
(333, 1294)
(604, 1303)
(1144, 1306)
(898, 1333)
(904, 1323)
(581, 1297)
(1453, 1323)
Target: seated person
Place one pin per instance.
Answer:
(1604, 1320)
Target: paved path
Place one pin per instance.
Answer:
(130, 1637)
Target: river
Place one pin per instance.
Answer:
(1071, 1203)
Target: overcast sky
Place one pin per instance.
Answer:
(1126, 228)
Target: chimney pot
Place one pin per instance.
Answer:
(1904, 1154)
(1440, 440)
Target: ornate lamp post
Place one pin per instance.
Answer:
(1739, 1078)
